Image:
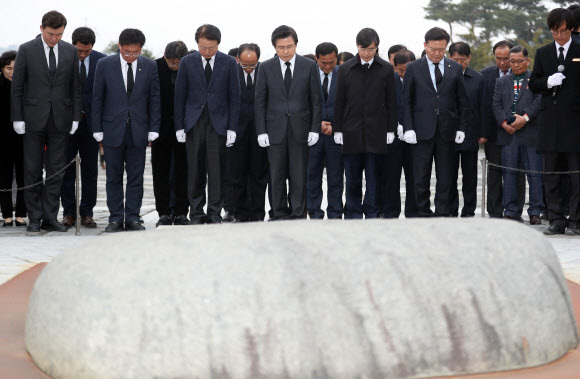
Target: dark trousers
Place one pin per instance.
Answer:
(495, 182)
(165, 152)
(424, 152)
(354, 166)
(83, 143)
(397, 160)
(130, 158)
(288, 161)
(325, 151)
(554, 161)
(205, 164)
(468, 161)
(42, 201)
(12, 162)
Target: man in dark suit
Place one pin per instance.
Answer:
(82, 142)
(435, 104)
(326, 151)
(126, 116)
(365, 121)
(168, 156)
(46, 107)
(466, 152)
(559, 135)
(207, 108)
(515, 108)
(575, 9)
(288, 118)
(501, 53)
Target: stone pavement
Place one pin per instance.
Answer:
(19, 252)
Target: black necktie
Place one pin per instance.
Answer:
(561, 56)
(83, 76)
(130, 80)
(366, 66)
(207, 71)
(249, 82)
(438, 76)
(51, 63)
(325, 87)
(287, 78)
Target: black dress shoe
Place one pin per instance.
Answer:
(18, 223)
(181, 220)
(197, 220)
(53, 226)
(134, 226)
(554, 229)
(11, 223)
(33, 225)
(514, 218)
(229, 217)
(573, 230)
(163, 220)
(114, 227)
(214, 220)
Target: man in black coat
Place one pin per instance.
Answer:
(466, 152)
(168, 156)
(46, 108)
(559, 134)
(365, 121)
(435, 103)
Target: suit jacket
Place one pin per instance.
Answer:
(87, 91)
(111, 105)
(527, 103)
(365, 108)
(328, 104)
(426, 109)
(34, 95)
(221, 95)
(475, 121)
(167, 129)
(247, 112)
(490, 75)
(560, 115)
(301, 108)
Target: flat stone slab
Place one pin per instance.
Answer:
(350, 299)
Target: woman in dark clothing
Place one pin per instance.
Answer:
(10, 148)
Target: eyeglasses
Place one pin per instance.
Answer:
(460, 60)
(285, 48)
(435, 50)
(130, 53)
(207, 48)
(369, 50)
(250, 66)
(498, 59)
(518, 61)
(561, 32)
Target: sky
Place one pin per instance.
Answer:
(239, 21)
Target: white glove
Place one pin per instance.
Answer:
(18, 127)
(98, 136)
(390, 138)
(410, 137)
(338, 138)
(263, 140)
(152, 136)
(400, 132)
(180, 135)
(555, 79)
(459, 137)
(74, 128)
(231, 138)
(312, 138)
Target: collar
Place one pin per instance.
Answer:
(362, 62)
(212, 59)
(46, 45)
(292, 62)
(124, 63)
(566, 46)
(322, 73)
(430, 62)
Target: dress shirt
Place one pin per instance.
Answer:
(566, 46)
(432, 70)
(283, 65)
(362, 62)
(322, 79)
(125, 66)
(251, 75)
(211, 62)
(87, 64)
(47, 52)
(501, 73)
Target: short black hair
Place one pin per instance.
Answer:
(575, 9)
(403, 56)
(503, 43)
(284, 31)
(249, 47)
(395, 49)
(209, 32)
(325, 48)
(175, 50)
(460, 48)
(233, 52)
(54, 20)
(558, 16)
(6, 58)
(519, 49)
(310, 56)
(191, 51)
(436, 34)
(84, 35)
(132, 37)
(366, 37)
(344, 56)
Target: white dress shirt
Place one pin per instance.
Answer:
(362, 61)
(501, 73)
(566, 46)
(322, 79)
(211, 62)
(251, 75)
(283, 65)
(47, 52)
(87, 64)
(432, 70)
(125, 67)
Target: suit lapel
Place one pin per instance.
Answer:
(427, 73)
(509, 89)
(446, 73)
(198, 68)
(217, 67)
(277, 67)
(138, 75)
(42, 55)
(524, 85)
(118, 72)
(571, 53)
(298, 65)
(333, 83)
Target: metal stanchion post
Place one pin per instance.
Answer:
(483, 184)
(78, 190)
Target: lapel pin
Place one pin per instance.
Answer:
(139, 69)
(448, 65)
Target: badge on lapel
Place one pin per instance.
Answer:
(576, 60)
